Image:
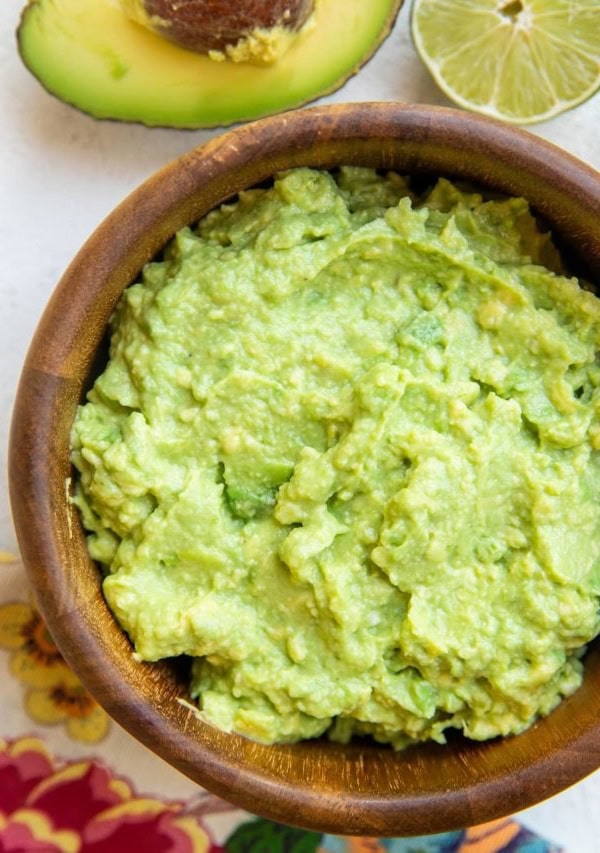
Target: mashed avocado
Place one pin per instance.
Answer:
(344, 455)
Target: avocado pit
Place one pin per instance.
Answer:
(259, 30)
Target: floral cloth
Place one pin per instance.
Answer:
(71, 780)
(53, 694)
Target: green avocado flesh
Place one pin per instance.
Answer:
(345, 455)
(92, 56)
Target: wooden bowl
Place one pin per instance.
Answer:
(357, 789)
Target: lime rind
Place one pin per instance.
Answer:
(524, 67)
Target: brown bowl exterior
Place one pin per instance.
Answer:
(357, 789)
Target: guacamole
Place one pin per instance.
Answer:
(344, 454)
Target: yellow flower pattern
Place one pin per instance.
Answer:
(54, 694)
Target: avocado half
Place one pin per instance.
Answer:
(92, 56)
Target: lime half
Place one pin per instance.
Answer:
(518, 60)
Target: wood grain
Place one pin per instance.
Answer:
(358, 789)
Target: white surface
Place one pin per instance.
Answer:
(62, 172)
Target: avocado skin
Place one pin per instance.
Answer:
(111, 68)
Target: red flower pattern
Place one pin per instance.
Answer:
(82, 806)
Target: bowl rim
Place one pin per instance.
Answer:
(562, 188)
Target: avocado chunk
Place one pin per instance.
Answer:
(94, 57)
